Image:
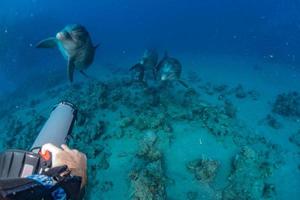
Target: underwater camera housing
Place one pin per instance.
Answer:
(19, 163)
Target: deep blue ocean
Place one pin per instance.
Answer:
(233, 134)
(259, 28)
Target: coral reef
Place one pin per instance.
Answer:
(214, 119)
(117, 109)
(295, 138)
(220, 88)
(253, 94)
(229, 109)
(240, 92)
(273, 122)
(126, 122)
(148, 183)
(204, 170)
(287, 104)
(148, 179)
(224, 91)
(192, 195)
(248, 178)
(208, 88)
(106, 186)
(153, 121)
(148, 151)
(20, 134)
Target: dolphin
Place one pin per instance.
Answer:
(75, 44)
(169, 69)
(149, 60)
(138, 72)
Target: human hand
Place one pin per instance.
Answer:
(75, 160)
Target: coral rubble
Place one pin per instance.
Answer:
(273, 122)
(117, 109)
(214, 119)
(248, 177)
(240, 92)
(295, 138)
(148, 181)
(287, 104)
(204, 170)
(21, 134)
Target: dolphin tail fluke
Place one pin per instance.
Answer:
(71, 69)
(183, 83)
(47, 43)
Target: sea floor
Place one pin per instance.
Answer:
(219, 139)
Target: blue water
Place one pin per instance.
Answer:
(252, 43)
(259, 28)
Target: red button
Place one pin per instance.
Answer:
(46, 156)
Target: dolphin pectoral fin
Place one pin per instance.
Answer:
(47, 43)
(84, 74)
(71, 69)
(133, 67)
(87, 76)
(183, 83)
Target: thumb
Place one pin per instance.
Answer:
(51, 148)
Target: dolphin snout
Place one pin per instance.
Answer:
(60, 36)
(163, 77)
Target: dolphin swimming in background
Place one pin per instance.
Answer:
(149, 59)
(169, 69)
(138, 72)
(75, 44)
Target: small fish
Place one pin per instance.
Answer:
(169, 69)
(75, 44)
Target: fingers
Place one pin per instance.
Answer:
(65, 148)
(75, 151)
(51, 148)
(84, 156)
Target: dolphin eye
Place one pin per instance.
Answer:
(78, 35)
(67, 35)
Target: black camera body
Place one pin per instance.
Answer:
(20, 164)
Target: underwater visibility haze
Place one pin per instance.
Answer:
(179, 100)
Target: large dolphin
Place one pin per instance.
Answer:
(75, 44)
